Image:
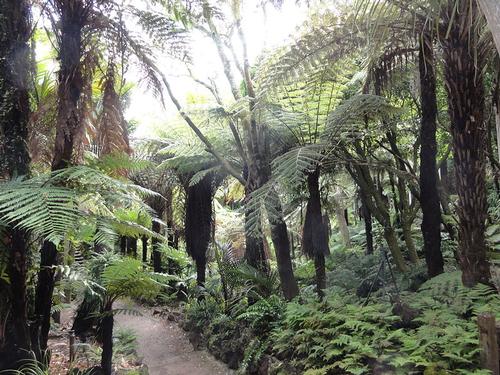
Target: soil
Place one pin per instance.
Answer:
(165, 347)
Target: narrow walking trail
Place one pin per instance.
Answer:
(164, 346)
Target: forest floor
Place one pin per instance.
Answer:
(165, 347)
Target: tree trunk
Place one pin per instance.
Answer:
(314, 235)
(378, 205)
(123, 245)
(429, 195)
(465, 89)
(69, 125)
(107, 324)
(341, 222)
(43, 297)
(198, 223)
(155, 243)
(144, 249)
(367, 218)
(14, 156)
(132, 247)
(255, 254)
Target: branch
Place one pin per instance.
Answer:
(225, 164)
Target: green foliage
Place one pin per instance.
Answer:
(127, 278)
(29, 367)
(125, 342)
(340, 335)
(51, 206)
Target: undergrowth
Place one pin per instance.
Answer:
(430, 331)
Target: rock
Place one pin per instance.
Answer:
(406, 313)
(195, 339)
(364, 288)
(233, 360)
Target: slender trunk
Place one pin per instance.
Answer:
(315, 236)
(341, 222)
(14, 156)
(155, 243)
(429, 202)
(144, 249)
(392, 242)
(107, 324)
(464, 85)
(123, 245)
(43, 297)
(17, 271)
(320, 270)
(367, 218)
(378, 205)
(132, 247)
(408, 238)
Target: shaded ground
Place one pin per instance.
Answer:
(165, 347)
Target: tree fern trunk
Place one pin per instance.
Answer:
(279, 235)
(107, 324)
(314, 234)
(73, 15)
(464, 61)
(429, 195)
(14, 157)
(255, 253)
(198, 223)
(155, 244)
(144, 249)
(367, 219)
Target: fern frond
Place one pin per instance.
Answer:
(44, 209)
(292, 167)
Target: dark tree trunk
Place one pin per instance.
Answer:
(367, 218)
(429, 195)
(144, 249)
(315, 237)
(14, 157)
(43, 297)
(123, 245)
(132, 247)
(464, 62)
(198, 223)
(155, 244)
(255, 250)
(107, 323)
(70, 83)
(255, 253)
(279, 235)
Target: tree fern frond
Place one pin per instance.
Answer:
(262, 203)
(41, 208)
(293, 166)
(349, 118)
(199, 176)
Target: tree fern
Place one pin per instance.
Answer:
(292, 168)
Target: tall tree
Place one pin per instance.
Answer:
(429, 195)
(73, 16)
(464, 52)
(15, 32)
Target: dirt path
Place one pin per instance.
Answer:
(165, 347)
